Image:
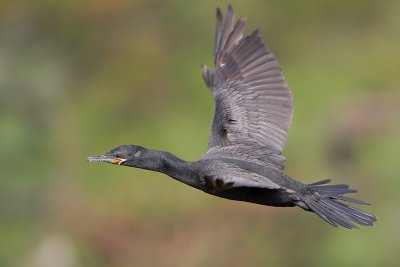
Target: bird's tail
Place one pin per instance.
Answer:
(323, 200)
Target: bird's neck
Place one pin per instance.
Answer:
(169, 164)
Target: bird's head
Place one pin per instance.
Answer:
(120, 155)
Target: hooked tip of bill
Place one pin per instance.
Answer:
(91, 159)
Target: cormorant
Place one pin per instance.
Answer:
(252, 115)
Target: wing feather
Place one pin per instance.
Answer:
(253, 104)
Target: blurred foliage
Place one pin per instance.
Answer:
(79, 77)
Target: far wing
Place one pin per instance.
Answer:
(222, 176)
(253, 104)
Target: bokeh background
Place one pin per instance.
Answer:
(80, 77)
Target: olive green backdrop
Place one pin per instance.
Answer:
(80, 77)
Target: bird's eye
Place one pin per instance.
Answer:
(114, 155)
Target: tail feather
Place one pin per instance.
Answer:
(323, 200)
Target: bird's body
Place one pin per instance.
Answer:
(253, 112)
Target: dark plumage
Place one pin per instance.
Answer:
(253, 112)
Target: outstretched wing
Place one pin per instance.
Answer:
(253, 104)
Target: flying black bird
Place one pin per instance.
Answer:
(253, 112)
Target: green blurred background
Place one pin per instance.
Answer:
(80, 77)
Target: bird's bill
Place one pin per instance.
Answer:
(106, 158)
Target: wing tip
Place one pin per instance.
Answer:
(256, 33)
(219, 14)
(229, 9)
(228, 33)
